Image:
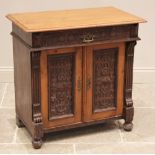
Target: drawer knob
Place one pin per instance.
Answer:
(88, 38)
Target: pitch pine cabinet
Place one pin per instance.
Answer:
(73, 68)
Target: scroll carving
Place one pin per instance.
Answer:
(36, 96)
(105, 70)
(128, 107)
(61, 90)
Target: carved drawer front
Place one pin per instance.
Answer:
(84, 36)
(61, 79)
(104, 80)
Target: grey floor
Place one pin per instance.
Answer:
(105, 138)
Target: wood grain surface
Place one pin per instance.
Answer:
(72, 19)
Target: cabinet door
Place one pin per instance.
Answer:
(61, 82)
(104, 81)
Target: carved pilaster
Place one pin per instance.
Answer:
(36, 100)
(128, 107)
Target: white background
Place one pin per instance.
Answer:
(144, 66)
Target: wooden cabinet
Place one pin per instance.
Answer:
(73, 72)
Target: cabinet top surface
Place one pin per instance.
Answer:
(72, 19)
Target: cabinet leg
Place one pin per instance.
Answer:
(19, 123)
(128, 126)
(37, 143)
(128, 116)
(38, 132)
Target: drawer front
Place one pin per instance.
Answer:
(84, 36)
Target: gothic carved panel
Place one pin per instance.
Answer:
(61, 85)
(105, 77)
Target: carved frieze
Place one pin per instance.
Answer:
(77, 36)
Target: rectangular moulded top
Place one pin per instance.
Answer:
(72, 19)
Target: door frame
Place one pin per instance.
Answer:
(88, 92)
(70, 119)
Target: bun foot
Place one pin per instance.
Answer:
(19, 123)
(127, 126)
(37, 143)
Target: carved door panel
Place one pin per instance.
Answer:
(104, 81)
(61, 84)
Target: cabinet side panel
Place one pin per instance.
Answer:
(22, 79)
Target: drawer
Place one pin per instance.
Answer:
(84, 36)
